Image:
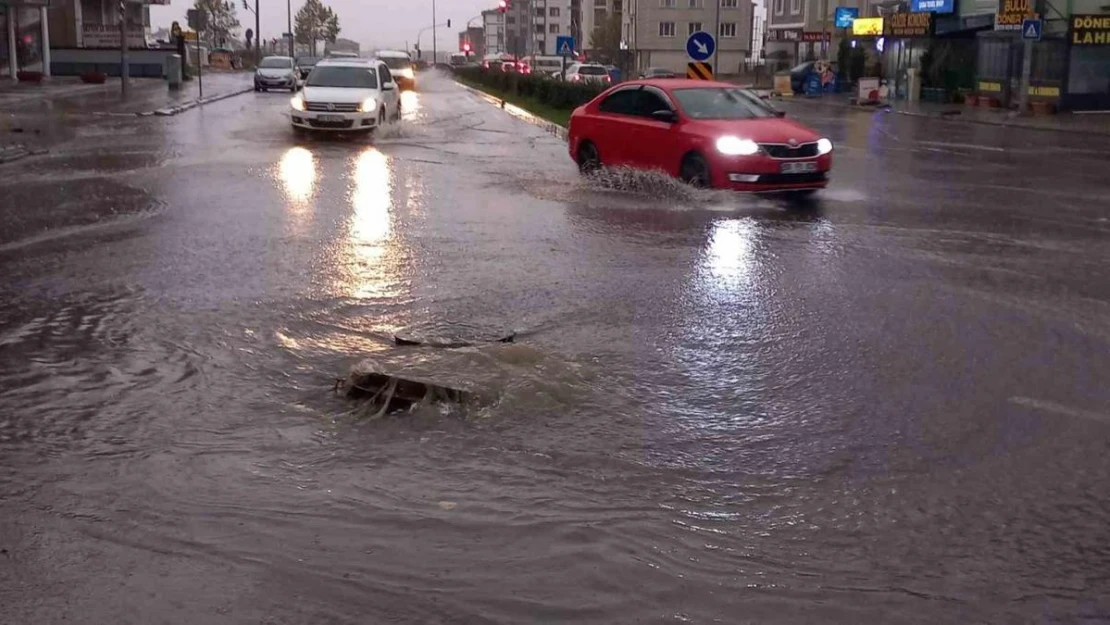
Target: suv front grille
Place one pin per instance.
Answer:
(781, 150)
(331, 108)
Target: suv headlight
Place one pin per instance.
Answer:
(824, 146)
(297, 102)
(735, 146)
(368, 105)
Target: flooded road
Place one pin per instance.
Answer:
(892, 408)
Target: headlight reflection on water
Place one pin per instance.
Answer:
(371, 258)
(730, 254)
(297, 171)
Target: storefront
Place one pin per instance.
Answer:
(1088, 75)
(25, 42)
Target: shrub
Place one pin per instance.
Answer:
(554, 93)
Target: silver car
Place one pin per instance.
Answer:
(588, 73)
(276, 72)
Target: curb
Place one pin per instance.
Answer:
(181, 108)
(175, 110)
(535, 120)
(949, 118)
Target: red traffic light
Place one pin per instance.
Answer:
(466, 47)
(502, 5)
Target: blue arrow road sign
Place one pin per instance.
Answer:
(1031, 29)
(701, 45)
(564, 46)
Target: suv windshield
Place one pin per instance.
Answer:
(307, 61)
(592, 70)
(396, 63)
(353, 77)
(276, 63)
(721, 103)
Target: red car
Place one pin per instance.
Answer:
(708, 134)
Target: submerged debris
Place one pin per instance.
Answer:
(383, 391)
(450, 335)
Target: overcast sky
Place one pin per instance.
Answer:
(372, 23)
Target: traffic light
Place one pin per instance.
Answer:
(448, 23)
(502, 5)
(466, 49)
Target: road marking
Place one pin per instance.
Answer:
(966, 146)
(1050, 406)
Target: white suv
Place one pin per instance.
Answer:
(346, 95)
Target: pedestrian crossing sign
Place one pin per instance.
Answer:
(564, 46)
(1031, 29)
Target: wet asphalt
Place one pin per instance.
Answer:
(890, 407)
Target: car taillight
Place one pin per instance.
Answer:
(577, 78)
(608, 79)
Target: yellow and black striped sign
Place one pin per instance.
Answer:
(699, 71)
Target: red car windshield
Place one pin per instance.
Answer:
(721, 103)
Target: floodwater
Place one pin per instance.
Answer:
(889, 408)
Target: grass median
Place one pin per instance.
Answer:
(560, 116)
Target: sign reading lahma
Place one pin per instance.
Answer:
(1011, 13)
(1090, 30)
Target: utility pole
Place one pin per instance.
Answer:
(289, 17)
(824, 29)
(717, 40)
(124, 64)
(434, 33)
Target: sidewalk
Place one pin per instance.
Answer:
(35, 117)
(68, 95)
(1090, 124)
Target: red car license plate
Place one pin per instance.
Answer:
(805, 167)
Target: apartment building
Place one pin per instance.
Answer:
(550, 20)
(493, 28)
(655, 31)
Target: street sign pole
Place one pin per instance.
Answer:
(1030, 33)
(289, 18)
(433, 33)
(257, 36)
(124, 62)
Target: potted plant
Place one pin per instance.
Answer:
(28, 76)
(94, 77)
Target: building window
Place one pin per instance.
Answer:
(695, 4)
(730, 4)
(553, 12)
(554, 28)
(668, 4)
(795, 7)
(510, 19)
(539, 11)
(601, 4)
(693, 28)
(666, 29)
(778, 7)
(539, 28)
(728, 30)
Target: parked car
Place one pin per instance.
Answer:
(276, 72)
(588, 73)
(305, 65)
(657, 72)
(400, 65)
(346, 95)
(708, 134)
